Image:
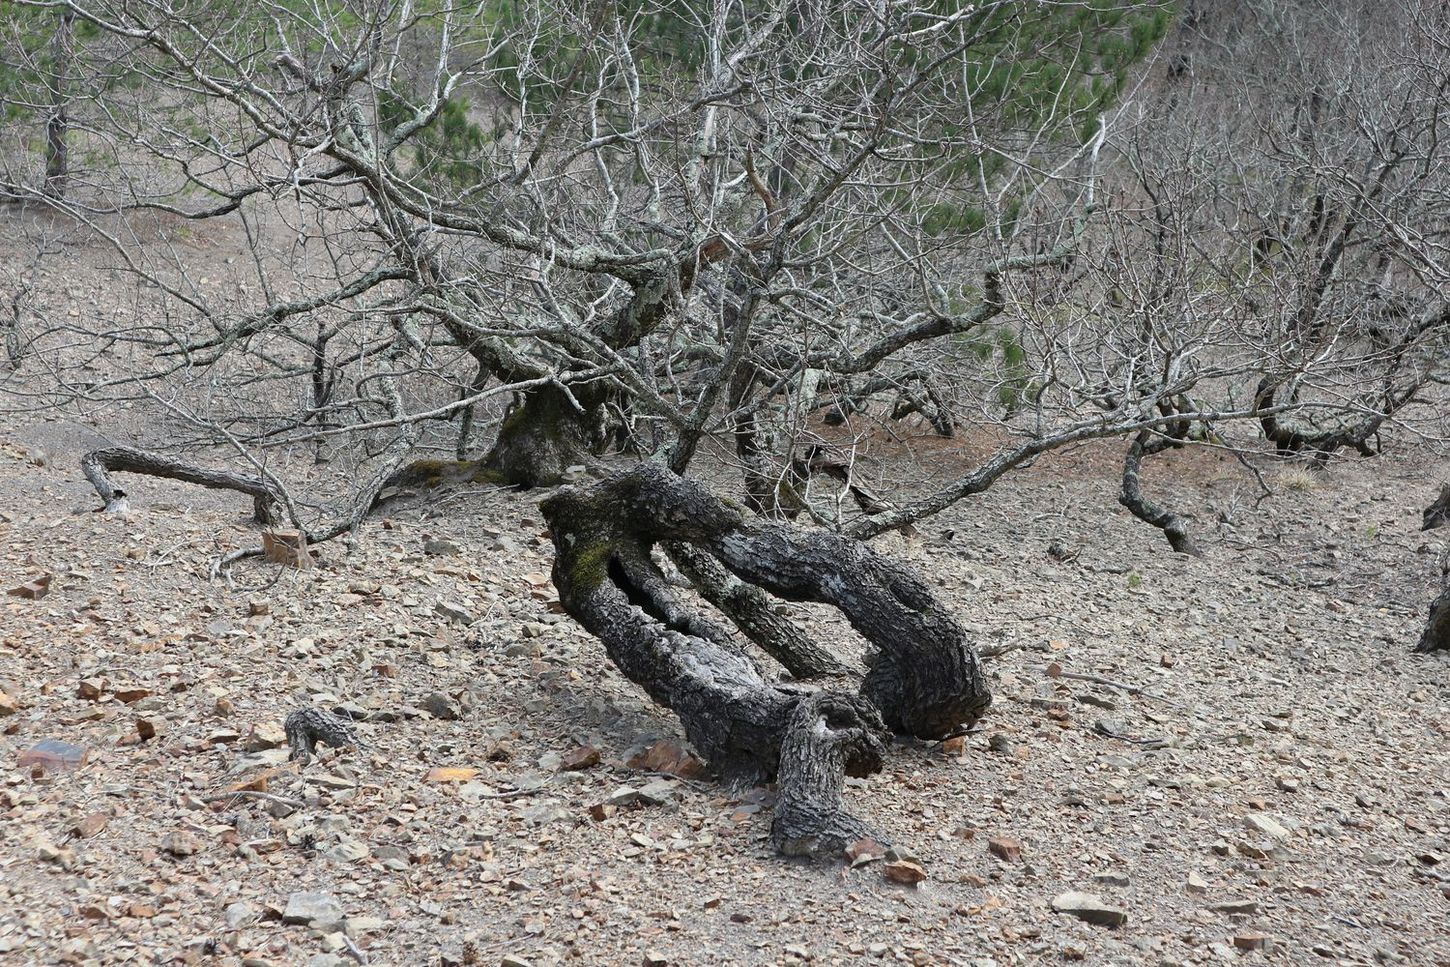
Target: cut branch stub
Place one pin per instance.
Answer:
(97, 465)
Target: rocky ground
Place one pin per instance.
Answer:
(1236, 756)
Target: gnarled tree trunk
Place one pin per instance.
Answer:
(924, 679)
(545, 435)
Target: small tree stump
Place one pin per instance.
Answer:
(287, 547)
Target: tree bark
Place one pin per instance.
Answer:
(828, 737)
(1173, 526)
(750, 609)
(924, 677)
(1438, 513)
(545, 435)
(747, 728)
(57, 152)
(97, 465)
(1436, 636)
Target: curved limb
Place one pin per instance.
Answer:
(97, 465)
(1173, 526)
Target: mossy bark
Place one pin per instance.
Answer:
(544, 435)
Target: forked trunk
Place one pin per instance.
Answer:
(924, 678)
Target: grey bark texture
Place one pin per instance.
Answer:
(829, 737)
(1173, 525)
(752, 611)
(924, 678)
(98, 465)
(57, 125)
(308, 727)
(1436, 636)
(1438, 513)
(544, 435)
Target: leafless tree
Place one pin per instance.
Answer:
(808, 209)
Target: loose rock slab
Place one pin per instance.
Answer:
(320, 910)
(1090, 908)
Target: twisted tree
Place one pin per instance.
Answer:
(532, 243)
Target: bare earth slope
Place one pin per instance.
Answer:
(1286, 777)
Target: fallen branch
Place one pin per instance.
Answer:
(253, 794)
(97, 465)
(1124, 686)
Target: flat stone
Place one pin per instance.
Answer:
(453, 611)
(181, 843)
(440, 706)
(1112, 878)
(584, 757)
(53, 755)
(1253, 941)
(1236, 907)
(1005, 848)
(321, 911)
(239, 914)
(1090, 908)
(904, 872)
(659, 792)
(268, 735)
(1266, 824)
